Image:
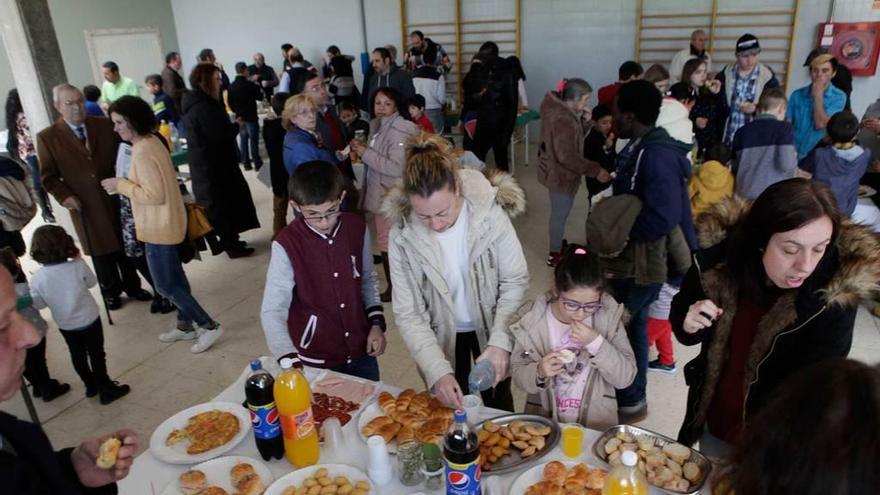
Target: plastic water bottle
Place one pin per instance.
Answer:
(626, 479)
(175, 138)
(482, 376)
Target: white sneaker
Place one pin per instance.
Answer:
(177, 334)
(206, 339)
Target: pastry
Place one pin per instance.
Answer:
(386, 402)
(404, 399)
(209, 430)
(214, 490)
(691, 472)
(250, 485)
(239, 472)
(677, 452)
(192, 482)
(566, 355)
(545, 488)
(108, 452)
(383, 426)
(596, 479)
(576, 478)
(405, 433)
(554, 471)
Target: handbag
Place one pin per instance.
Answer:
(197, 223)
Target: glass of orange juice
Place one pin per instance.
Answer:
(572, 440)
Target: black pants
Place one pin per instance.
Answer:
(140, 263)
(87, 353)
(116, 274)
(467, 347)
(494, 136)
(35, 369)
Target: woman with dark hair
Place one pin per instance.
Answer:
(705, 114)
(384, 159)
(774, 289)
(561, 160)
(819, 435)
(458, 269)
(160, 218)
(212, 153)
(20, 146)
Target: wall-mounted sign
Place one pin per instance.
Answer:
(854, 44)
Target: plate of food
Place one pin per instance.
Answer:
(340, 396)
(410, 415)
(313, 480)
(560, 477)
(510, 442)
(200, 433)
(232, 474)
(667, 464)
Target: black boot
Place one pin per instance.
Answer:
(386, 296)
(161, 305)
(53, 390)
(112, 391)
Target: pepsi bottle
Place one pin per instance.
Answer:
(461, 452)
(264, 417)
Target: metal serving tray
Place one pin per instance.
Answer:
(660, 441)
(512, 461)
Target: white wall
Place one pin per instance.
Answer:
(560, 38)
(235, 31)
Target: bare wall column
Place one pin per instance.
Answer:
(32, 47)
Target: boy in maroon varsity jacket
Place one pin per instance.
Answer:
(321, 303)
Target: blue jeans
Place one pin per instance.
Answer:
(250, 133)
(636, 299)
(366, 367)
(560, 207)
(170, 280)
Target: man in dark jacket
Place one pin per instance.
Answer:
(491, 91)
(263, 75)
(388, 74)
(654, 168)
(206, 56)
(243, 97)
(172, 82)
(28, 462)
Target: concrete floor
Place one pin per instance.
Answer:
(166, 378)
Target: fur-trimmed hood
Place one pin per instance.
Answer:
(854, 280)
(480, 190)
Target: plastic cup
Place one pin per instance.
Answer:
(379, 464)
(331, 432)
(473, 406)
(572, 440)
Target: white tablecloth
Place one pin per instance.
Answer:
(149, 476)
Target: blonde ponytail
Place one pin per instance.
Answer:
(431, 165)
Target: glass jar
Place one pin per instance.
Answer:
(434, 474)
(409, 463)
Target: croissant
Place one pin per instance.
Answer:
(421, 401)
(576, 479)
(383, 426)
(404, 399)
(544, 488)
(427, 436)
(596, 479)
(407, 419)
(386, 402)
(406, 433)
(554, 472)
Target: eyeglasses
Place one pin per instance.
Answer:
(573, 307)
(328, 215)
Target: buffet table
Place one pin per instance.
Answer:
(150, 476)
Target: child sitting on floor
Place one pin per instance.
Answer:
(62, 285)
(571, 342)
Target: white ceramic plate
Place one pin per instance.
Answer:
(217, 471)
(297, 477)
(535, 474)
(367, 414)
(176, 454)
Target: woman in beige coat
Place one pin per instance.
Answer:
(384, 159)
(571, 349)
(458, 268)
(159, 217)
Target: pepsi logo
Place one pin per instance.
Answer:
(255, 419)
(458, 479)
(272, 417)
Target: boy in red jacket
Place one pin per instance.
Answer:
(321, 303)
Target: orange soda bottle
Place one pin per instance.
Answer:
(626, 479)
(165, 130)
(293, 398)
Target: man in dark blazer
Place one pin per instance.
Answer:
(28, 462)
(76, 153)
(172, 82)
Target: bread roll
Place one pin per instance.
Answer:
(192, 482)
(239, 472)
(554, 472)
